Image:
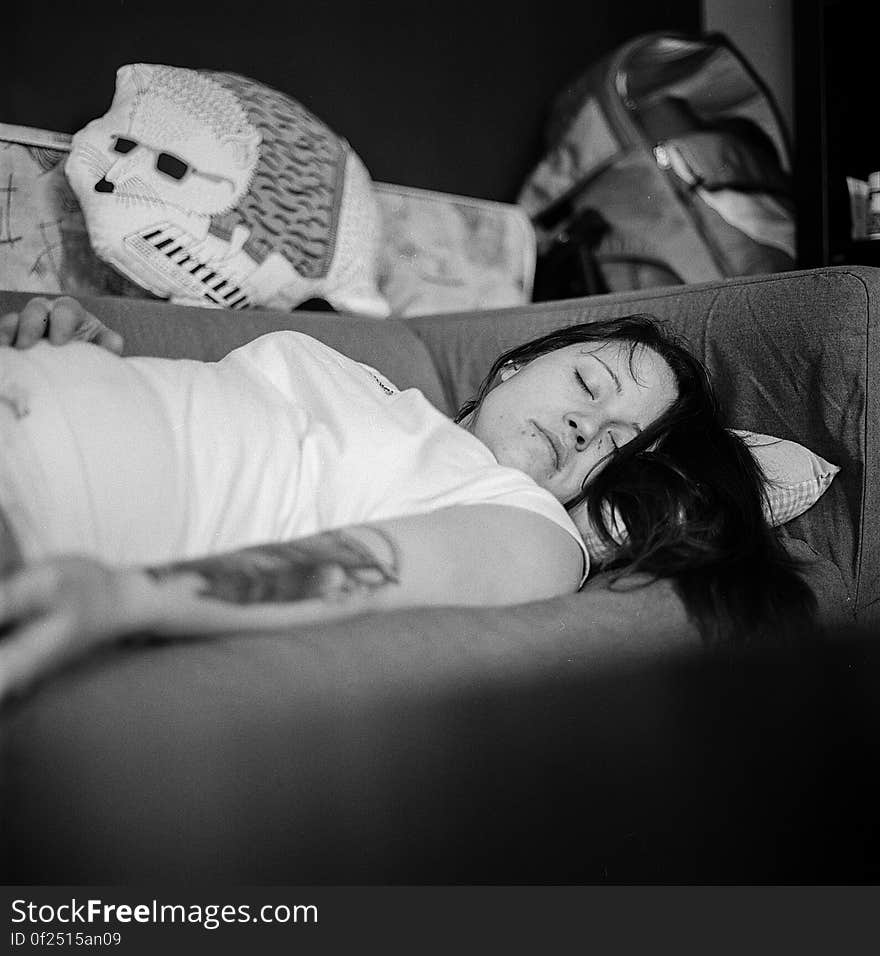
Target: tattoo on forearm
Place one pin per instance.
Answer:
(334, 566)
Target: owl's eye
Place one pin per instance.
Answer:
(171, 166)
(123, 145)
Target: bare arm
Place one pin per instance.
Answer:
(477, 555)
(480, 555)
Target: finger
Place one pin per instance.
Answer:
(33, 651)
(67, 320)
(32, 322)
(110, 340)
(28, 592)
(8, 327)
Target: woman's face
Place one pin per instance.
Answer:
(558, 417)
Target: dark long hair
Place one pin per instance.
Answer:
(691, 496)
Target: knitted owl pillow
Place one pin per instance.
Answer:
(213, 189)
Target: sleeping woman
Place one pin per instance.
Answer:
(287, 483)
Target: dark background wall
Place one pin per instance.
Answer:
(449, 95)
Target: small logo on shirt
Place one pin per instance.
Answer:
(386, 388)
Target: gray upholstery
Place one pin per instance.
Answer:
(157, 328)
(249, 759)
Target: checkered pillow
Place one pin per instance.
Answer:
(796, 477)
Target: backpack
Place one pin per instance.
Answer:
(667, 163)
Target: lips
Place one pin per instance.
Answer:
(555, 444)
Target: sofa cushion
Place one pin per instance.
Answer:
(285, 758)
(234, 758)
(445, 253)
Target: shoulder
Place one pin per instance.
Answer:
(285, 345)
(490, 554)
(293, 362)
(548, 555)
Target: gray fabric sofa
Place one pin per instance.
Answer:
(349, 752)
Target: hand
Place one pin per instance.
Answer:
(57, 611)
(58, 320)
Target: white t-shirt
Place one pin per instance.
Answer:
(146, 460)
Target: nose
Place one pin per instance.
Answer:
(115, 173)
(582, 428)
(122, 168)
(103, 185)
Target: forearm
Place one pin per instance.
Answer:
(55, 612)
(270, 586)
(457, 556)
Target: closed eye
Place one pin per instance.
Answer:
(584, 385)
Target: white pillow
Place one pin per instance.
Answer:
(797, 478)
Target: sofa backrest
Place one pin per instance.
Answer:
(792, 354)
(155, 327)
